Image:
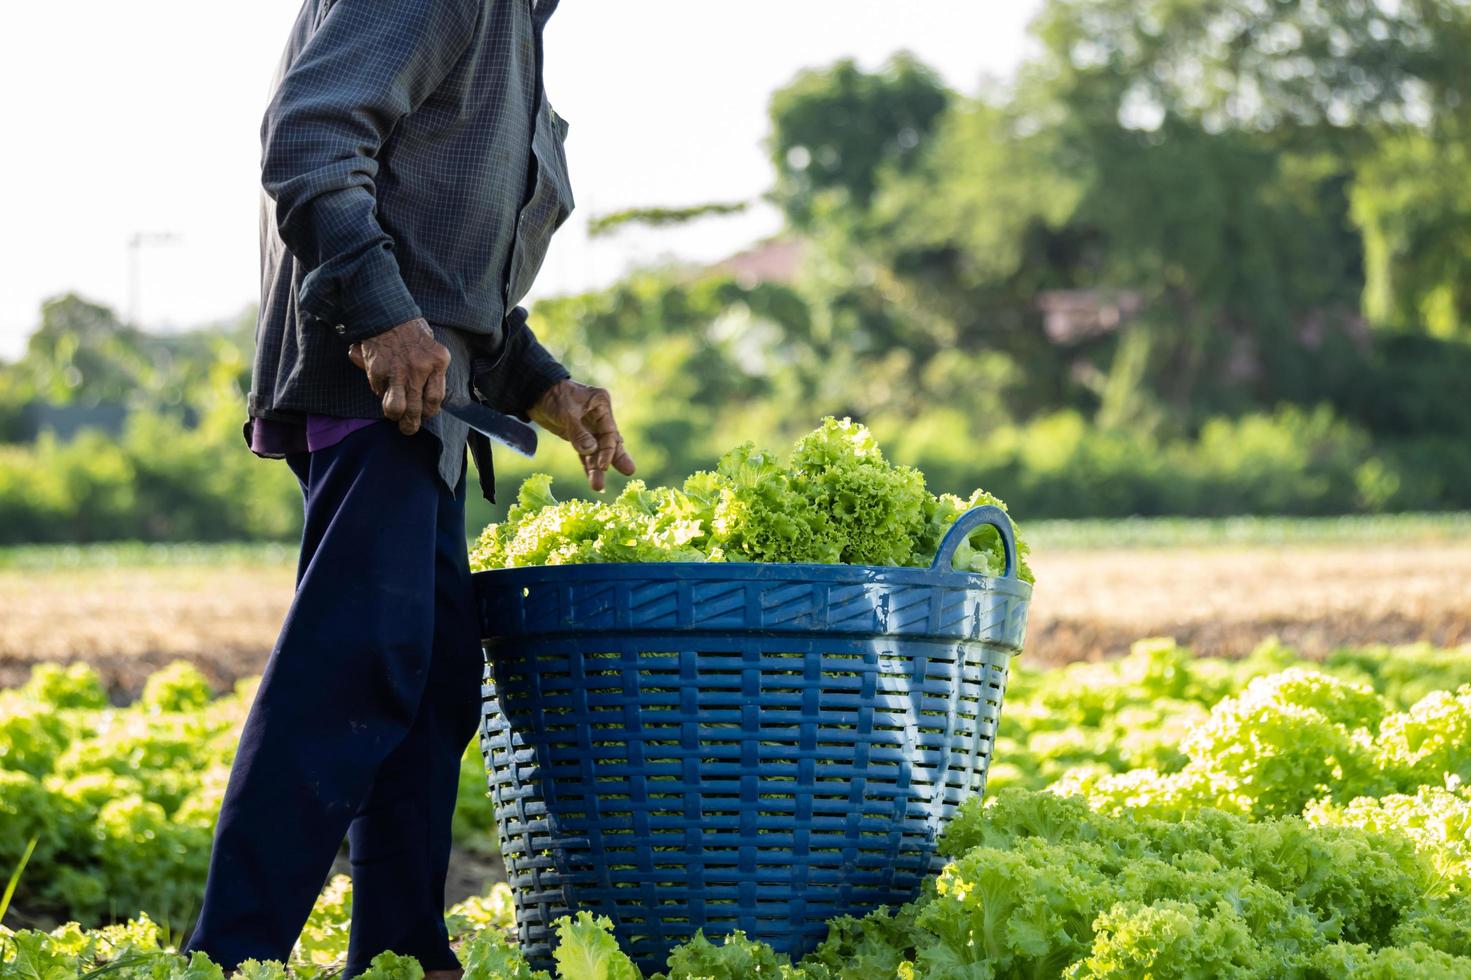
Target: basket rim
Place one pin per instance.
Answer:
(587, 572)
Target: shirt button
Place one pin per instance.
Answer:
(341, 329)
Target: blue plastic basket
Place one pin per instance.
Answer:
(737, 746)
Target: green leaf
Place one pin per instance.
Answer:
(586, 950)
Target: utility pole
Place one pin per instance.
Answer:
(135, 248)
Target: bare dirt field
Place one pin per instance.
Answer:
(1090, 603)
(1224, 601)
(128, 622)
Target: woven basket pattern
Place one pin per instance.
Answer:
(750, 747)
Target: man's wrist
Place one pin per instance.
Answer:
(379, 300)
(540, 381)
(516, 377)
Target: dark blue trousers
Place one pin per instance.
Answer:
(363, 712)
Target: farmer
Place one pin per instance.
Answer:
(413, 174)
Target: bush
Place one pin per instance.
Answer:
(1292, 461)
(162, 481)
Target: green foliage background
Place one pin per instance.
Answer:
(1257, 215)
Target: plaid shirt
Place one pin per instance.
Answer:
(411, 166)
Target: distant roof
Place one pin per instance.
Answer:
(774, 260)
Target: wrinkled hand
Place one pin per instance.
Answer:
(406, 368)
(583, 415)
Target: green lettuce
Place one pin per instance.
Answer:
(586, 950)
(835, 500)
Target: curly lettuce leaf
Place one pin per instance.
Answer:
(586, 950)
(837, 500)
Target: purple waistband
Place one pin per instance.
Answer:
(269, 437)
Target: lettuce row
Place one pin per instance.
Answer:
(1309, 822)
(1038, 885)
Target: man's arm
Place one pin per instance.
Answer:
(527, 381)
(369, 64)
(522, 372)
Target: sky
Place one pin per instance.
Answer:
(144, 118)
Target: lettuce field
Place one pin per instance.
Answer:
(1161, 815)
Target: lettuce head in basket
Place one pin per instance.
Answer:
(835, 500)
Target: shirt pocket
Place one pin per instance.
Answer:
(549, 206)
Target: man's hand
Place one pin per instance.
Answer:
(406, 368)
(584, 417)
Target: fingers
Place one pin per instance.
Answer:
(434, 388)
(599, 416)
(623, 462)
(611, 451)
(379, 379)
(406, 368)
(582, 440)
(395, 402)
(413, 407)
(584, 417)
(620, 460)
(388, 378)
(586, 445)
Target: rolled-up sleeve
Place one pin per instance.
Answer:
(369, 64)
(514, 380)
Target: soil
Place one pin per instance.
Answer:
(471, 872)
(1222, 602)
(129, 622)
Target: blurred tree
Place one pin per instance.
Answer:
(81, 353)
(1175, 174)
(1224, 137)
(1285, 68)
(696, 360)
(1412, 198)
(1123, 282)
(602, 225)
(833, 131)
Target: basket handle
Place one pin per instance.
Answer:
(965, 524)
